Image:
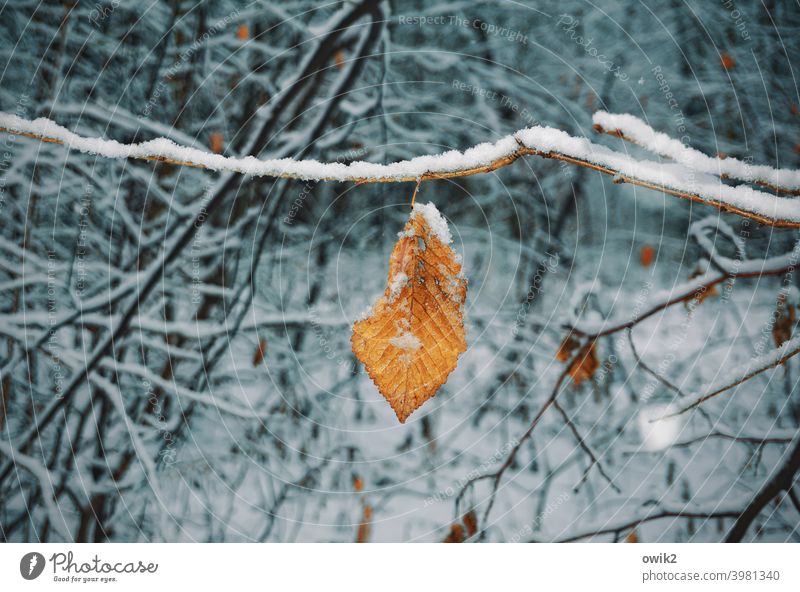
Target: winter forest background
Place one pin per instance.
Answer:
(163, 388)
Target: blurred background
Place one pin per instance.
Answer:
(164, 386)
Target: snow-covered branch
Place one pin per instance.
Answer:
(680, 180)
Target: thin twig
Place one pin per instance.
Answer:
(582, 443)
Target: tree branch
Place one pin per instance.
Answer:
(677, 180)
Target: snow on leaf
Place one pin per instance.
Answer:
(410, 342)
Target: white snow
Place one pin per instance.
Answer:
(435, 221)
(399, 281)
(657, 431)
(659, 143)
(694, 173)
(407, 341)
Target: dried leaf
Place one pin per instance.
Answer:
(569, 345)
(217, 143)
(727, 61)
(243, 33)
(584, 367)
(647, 255)
(471, 523)
(358, 483)
(411, 340)
(363, 528)
(632, 537)
(258, 356)
(784, 322)
(456, 534)
(338, 59)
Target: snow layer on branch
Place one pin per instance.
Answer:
(544, 140)
(742, 372)
(659, 143)
(674, 176)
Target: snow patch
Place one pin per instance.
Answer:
(435, 221)
(399, 281)
(407, 341)
(656, 430)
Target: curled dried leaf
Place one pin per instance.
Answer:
(411, 340)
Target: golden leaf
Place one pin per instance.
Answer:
(411, 340)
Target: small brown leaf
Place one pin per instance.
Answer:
(411, 340)
(338, 59)
(584, 367)
(217, 142)
(261, 349)
(456, 534)
(363, 528)
(727, 61)
(632, 537)
(784, 322)
(647, 255)
(358, 484)
(569, 345)
(243, 33)
(471, 522)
